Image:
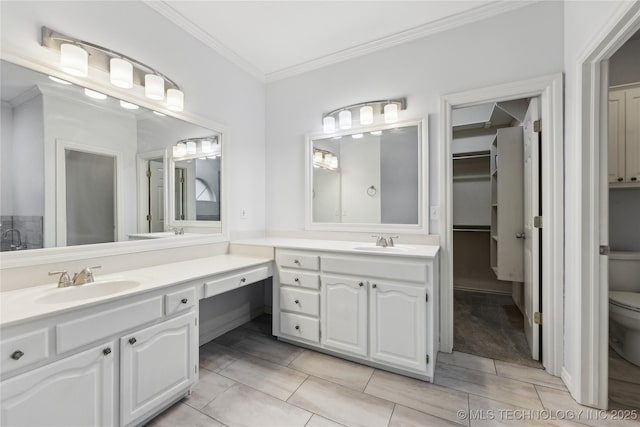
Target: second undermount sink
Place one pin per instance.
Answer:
(389, 249)
(86, 291)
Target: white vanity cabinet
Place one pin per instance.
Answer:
(78, 390)
(376, 309)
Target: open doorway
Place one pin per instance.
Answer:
(496, 235)
(623, 171)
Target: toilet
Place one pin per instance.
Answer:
(624, 305)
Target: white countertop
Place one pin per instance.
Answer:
(22, 304)
(368, 248)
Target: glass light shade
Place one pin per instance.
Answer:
(391, 113)
(329, 124)
(376, 132)
(153, 87)
(121, 73)
(57, 80)
(157, 113)
(205, 146)
(191, 147)
(93, 94)
(175, 100)
(180, 149)
(345, 119)
(357, 135)
(317, 157)
(333, 162)
(128, 105)
(74, 60)
(366, 115)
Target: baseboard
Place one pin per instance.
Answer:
(482, 291)
(565, 376)
(230, 325)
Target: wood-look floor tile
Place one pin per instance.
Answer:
(339, 371)
(242, 406)
(209, 386)
(625, 394)
(215, 357)
(342, 404)
(270, 378)
(318, 421)
(417, 394)
(268, 348)
(620, 369)
(233, 336)
(561, 400)
(184, 416)
(407, 417)
(469, 361)
(488, 412)
(529, 375)
(506, 390)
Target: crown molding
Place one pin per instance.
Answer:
(440, 25)
(166, 10)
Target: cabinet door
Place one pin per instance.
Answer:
(344, 314)
(616, 136)
(632, 136)
(75, 391)
(156, 364)
(398, 325)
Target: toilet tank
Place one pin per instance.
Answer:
(624, 271)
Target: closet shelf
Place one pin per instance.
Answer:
(479, 177)
(494, 237)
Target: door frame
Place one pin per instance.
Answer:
(591, 318)
(550, 90)
(143, 190)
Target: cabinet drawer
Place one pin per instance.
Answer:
(227, 283)
(300, 327)
(409, 271)
(176, 302)
(84, 330)
(300, 301)
(298, 260)
(24, 350)
(299, 278)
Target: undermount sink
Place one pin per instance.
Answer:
(381, 248)
(86, 291)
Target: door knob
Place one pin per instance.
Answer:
(520, 236)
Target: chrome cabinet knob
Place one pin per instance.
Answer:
(297, 327)
(184, 300)
(295, 261)
(620, 179)
(633, 178)
(296, 280)
(132, 340)
(520, 236)
(361, 284)
(297, 301)
(16, 355)
(243, 280)
(106, 351)
(374, 286)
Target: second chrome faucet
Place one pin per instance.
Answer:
(85, 276)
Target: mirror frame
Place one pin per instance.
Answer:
(16, 259)
(423, 183)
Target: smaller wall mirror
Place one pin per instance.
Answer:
(368, 179)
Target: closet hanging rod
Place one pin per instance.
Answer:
(484, 230)
(472, 156)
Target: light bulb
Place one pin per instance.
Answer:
(329, 124)
(57, 80)
(93, 94)
(181, 149)
(175, 100)
(345, 119)
(128, 105)
(205, 146)
(357, 135)
(376, 132)
(391, 113)
(366, 115)
(74, 60)
(121, 73)
(154, 87)
(158, 113)
(333, 162)
(191, 147)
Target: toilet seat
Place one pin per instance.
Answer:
(626, 300)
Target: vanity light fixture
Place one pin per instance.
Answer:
(180, 149)
(57, 80)
(128, 105)
(77, 55)
(364, 113)
(205, 146)
(192, 147)
(93, 94)
(209, 145)
(324, 159)
(357, 135)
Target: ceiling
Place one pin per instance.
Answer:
(277, 39)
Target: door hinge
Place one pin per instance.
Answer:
(427, 297)
(427, 359)
(196, 321)
(604, 249)
(182, 180)
(537, 126)
(148, 173)
(537, 318)
(149, 217)
(537, 221)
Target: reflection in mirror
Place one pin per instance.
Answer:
(56, 142)
(370, 177)
(197, 189)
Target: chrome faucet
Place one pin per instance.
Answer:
(177, 230)
(390, 240)
(381, 241)
(64, 280)
(14, 247)
(85, 275)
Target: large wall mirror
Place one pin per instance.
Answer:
(371, 178)
(80, 167)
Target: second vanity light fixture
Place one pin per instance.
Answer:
(365, 112)
(208, 146)
(76, 56)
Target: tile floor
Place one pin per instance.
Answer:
(247, 378)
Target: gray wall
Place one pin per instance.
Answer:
(624, 211)
(624, 65)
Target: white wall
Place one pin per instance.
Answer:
(513, 46)
(6, 159)
(214, 88)
(624, 65)
(360, 169)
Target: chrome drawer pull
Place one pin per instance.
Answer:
(296, 280)
(184, 300)
(297, 327)
(243, 280)
(17, 355)
(297, 301)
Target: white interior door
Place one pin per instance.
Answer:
(532, 234)
(156, 195)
